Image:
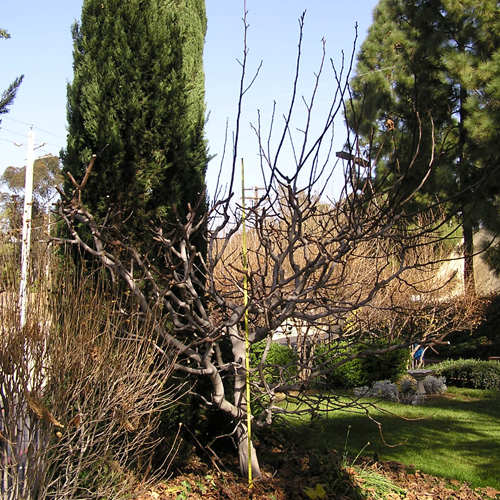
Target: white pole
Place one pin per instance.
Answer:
(26, 238)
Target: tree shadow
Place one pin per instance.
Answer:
(449, 437)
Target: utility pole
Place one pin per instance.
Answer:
(26, 238)
(255, 190)
(27, 214)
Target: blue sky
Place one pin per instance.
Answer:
(41, 48)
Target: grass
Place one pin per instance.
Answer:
(456, 436)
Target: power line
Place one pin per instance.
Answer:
(51, 133)
(12, 132)
(14, 120)
(6, 140)
(30, 125)
(22, 135)
(47, 152)
(41, 150)
(50, 144)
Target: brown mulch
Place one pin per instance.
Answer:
(200, 481)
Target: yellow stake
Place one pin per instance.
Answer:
(247, 344)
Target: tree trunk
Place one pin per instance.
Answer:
(242, 444)
(240, 402)
(467, 221)
(469, 281)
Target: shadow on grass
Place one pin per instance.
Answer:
(455, 436)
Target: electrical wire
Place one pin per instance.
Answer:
(13, 132)
(31, 125)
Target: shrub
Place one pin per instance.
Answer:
(470, 373)
(405, 391)
(391, 365)
(81, 388)
(411, 399)
(384, 389)
(479, 343)
(407, 385)
(280, 363)
(346, 376)
(362, 371)
(435, 385)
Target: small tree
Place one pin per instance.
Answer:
(315, 268)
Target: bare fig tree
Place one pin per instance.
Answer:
(354, 269)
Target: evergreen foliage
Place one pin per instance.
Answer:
(137, 101)
(481, 342)
(426, 88)
(470, 373)
(281, 361)
(363, 370)
(9, 94)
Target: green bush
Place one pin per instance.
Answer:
(479, 343)
(281, 361)
(470, 373)
(346, 376)
(363, 370)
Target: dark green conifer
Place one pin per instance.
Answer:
(137, 101)
(415, 94)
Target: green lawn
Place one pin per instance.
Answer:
(456, 436)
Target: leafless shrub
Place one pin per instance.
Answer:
(81, 388)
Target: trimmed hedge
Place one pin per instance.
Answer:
(470, 373)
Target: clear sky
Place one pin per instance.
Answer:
(41, 48)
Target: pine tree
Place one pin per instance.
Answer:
(137, 101)
(415, 97)
(9, 94)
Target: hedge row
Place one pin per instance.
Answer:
(470, 373)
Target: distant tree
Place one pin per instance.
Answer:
(416, 90)
(47, 178)
(137, 101)
(8, 95)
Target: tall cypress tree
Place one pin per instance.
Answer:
(137, 101)
(414, 76)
